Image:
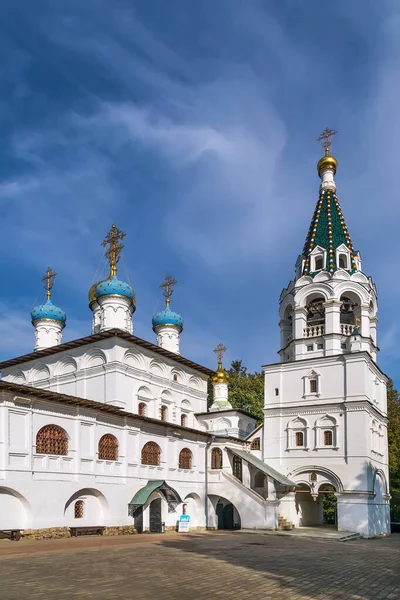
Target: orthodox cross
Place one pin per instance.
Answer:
(113, 240)
(220, 351)
(326, 139)
(48, 281)
(168, 287)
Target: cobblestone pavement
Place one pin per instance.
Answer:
(201, 567)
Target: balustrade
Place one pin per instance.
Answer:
(314, 331)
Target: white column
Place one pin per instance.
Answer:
(327, 181)
(116, 313)
(168, 337)
(299, 325)
(332, 326)
(48, 333)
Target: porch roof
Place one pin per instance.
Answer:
(262, 466)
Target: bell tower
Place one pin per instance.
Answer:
(330, 295)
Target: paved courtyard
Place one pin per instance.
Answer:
(232, 565)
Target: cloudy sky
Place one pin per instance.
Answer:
(192, 125)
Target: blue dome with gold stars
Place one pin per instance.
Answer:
(114, 287)
(167, 317)
(48, 311)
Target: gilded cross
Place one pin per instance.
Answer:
(48, 281)
(326, 139)
(113, 240)
(168, 287)
(220, 351)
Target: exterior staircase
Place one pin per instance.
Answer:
(284, 524)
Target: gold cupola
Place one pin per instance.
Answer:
(328, 161)
(220, 375)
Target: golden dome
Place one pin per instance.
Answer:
(220, 376)
(92, 291)
(327, 162)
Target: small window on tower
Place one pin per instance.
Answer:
(310, 348)
(342, 261)
(276, 391)
(320, 346)
(319, 263)
(313, 386)
(328, 438)
(175, 378)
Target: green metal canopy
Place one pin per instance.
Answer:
(140, 498)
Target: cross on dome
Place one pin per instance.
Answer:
(48, 280)
(168, 288)
(220, 351)
(113, 240)
(326, 139)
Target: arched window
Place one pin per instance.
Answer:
(108, 447)
(185, 459)
(316, 312)
(151, 454)
(299, 438)
(255, 444)
(175, 377)
(342, 261)
(347, 312)
(52, 439)
(319, 263)
(237, 467)
(184, 420)
(164, 413)
(328, 438)
(142, 409)
(78, 509)
(216, 458)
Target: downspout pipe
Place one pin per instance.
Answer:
(210, 441)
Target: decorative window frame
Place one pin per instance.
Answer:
(296, 425)
(342, 249)
(318, 252)
(326, 423)
(313, 374)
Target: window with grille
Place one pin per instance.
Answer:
(328, 438)
(255, 444)
(184, 420)
(313, 386)
(108, 447)
(52, 439)
(164, 413)
(142, 409)
(151, 454)
(237, 467)
(299, 438)
(78, 509)
(216, 458)
(185, 459)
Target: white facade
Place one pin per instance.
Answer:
(88, 427)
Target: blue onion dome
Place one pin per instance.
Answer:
(48, 311)
(167, 317)
(115, 287)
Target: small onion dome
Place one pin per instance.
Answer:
(327, 162)
(114, 287)
(167, 317)
(48, 311)
(220, 376)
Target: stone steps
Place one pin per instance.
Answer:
(284, 524)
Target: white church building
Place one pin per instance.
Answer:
(114, 433)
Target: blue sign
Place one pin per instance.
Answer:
(184, 524)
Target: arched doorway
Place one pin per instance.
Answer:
(155, 516)
(316, 508)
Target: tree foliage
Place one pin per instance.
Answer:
(393, 407)
(246, 390)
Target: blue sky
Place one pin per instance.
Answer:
(192, 125)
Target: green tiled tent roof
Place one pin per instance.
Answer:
(328, 230)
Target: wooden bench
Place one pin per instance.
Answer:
(75, 531)
(12, 534)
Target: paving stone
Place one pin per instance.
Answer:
(221, 566)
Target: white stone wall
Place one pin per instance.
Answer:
(38, 490)
(122, 374)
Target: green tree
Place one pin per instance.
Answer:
(393, 402)
(246, 390)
